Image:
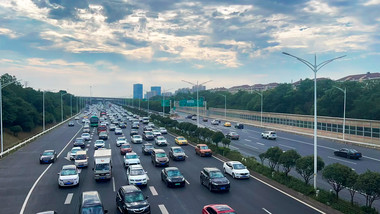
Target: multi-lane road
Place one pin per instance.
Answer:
(28, 187)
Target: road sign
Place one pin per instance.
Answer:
(165, 103)
(191, 103)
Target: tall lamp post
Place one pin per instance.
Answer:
(261, 112)
(344, 108)
(197, 85)
(315, 68)
(1, 111)
(62, 94)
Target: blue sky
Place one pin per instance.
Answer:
(110, 45)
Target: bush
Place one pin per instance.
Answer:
(16, 130)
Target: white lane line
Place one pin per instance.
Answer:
(163, 209)
(341, 160)
(260, 143)
(266, 210)
(248, 140)
(153, 190)
(371, 158)
(113, 184)
(68, 156)
(187, 181)
(253, 137)
(290, 147)
(233, 147)
(251, 146)
(79, 170)
(68, 198)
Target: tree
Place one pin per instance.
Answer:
(368, 184)
(337, 176)
(351, 184)
(305, 167)
(226, 142)
(273, 155)
(16, 129)
(263, 157)
(288, 160)
(217, 137)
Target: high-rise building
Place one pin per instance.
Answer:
(137, 91)
(156, 89)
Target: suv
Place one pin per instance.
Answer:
(147, 135)
(269, 135)
(147, 148)
(203, 150)
(239, 126)
(130, 199)
(214, 179)
(90, 202)
(159, 157)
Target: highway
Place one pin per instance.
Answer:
(28, 187)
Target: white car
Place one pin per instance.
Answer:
(269, 135)
(120, 140)
(76, 118)
(118, 131)
(74, 151)
(161, 141)
(236, 169)
(137, 175)
(163, 130)
(136, 139)
(131, 159)
(99, 144)
(86, 136)
(215, 122)
(156, 132)
(69, 176)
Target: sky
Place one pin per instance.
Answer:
(109, 45)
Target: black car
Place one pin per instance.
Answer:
(147, 148)
(122, 125)
(90, 202)
(134, 132)
(232, 136)
(190, 116)
(177, 153)
(171, 176)
(239, 126)
(130, 199)
(214, 179)
(71, 123)
(48, 156)
(79, 142)
(348, 153)
(103, 135)
(147, 135)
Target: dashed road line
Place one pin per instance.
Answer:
(68, 198)
(253, 137)
(248, 140)
(113, 184)
(290, 147)
(163, 209)
(266, 211)
(260, 143)
(341, 160)
(153, 190)
(187, 181)
(251, 146)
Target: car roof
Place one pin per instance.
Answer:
(159, 150)
(50, 150)
(69, 167)
(234, 162)
(148, 144)
(138, 166)
(90, 198)
(130, 188)
(221, 207)
(76, 147)
(176, 147)
(209, 169)
(171, 168)
(131, 153)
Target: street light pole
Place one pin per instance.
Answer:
(261, 112)
(315, 68)
(344, 108)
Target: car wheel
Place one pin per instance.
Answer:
(233, 175)
(201, 180)
(209, 187)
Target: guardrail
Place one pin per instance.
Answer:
(34, 137)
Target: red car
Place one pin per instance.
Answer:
(217, 208)
(125, 148)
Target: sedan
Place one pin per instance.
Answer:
(235, 169)
(103, 135)
(134, 132)
(99, 144)
(131, 159)
(232, 136)
(161, 141)
(48, 156)
(112, 127)
(120, 142)
(125, 148)
(163, 130)
(171, 176)
(136, 139)
(86, 136)
(177, 153)
(69, 176)
(74, 151)
(79, 142)
(71, 123)
(227, 124)
(217, 209)
(215, 122)
(147, 148)
(181, 140)
(348, 153)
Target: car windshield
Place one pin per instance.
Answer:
(178, 150)
(47, 153)
(80, 157)
(216, 175)
(98, 209)
(181, 138)
(125, 146)
(234, 133)
(162, 128)
(148, 133)
(174, 173)
(85, 135)
(137, 172)
(352, 151)
(102, 166)
(239, 166)
(79, 140)
(148, 146)
(134, 197)
(131, 156)
(99, 142)
(66, 172)
(204, 147)
(160, 138)
(121, 138)
(75, 150)
(161, 155)
(137, 137)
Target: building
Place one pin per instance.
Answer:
(137, 91)
(156, 89)
(360, 77)
(150, 94)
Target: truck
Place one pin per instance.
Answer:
(102, 164)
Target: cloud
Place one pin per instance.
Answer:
(372, 2)
(8, 32)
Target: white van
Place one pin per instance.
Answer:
(81, 159)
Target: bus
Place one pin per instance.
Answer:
(94, 121)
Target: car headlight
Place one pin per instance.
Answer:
(51, 158)
(213, 183)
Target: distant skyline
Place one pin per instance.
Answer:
(111, 45)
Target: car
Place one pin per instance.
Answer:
(120, 141)
(215, 122)
(180, 140)
(227, 124)
(48, 156)
(348, 153)
(147, 148)
(194, 117)
(81, 159)
(203, 150)
(101, 128)
(190, 116)
(103, 135)
(145, 121)
(205, 119)
(136, 139)
(239, 126)
(214, 179)
(151, 124)
(131, 158)
(236, 169)
(86, 136)
(148, 135)
(134, 132)
(112, 127)
(77, 118)
(171, 176)
(90, 202)
(125, 148)
(161, 141)
(79, 142)
(177, 153)
(156, 132)
(122, 125)
(136, 175)
(74, 151)
(269, 135)
(71, 123)
(135, 125)
(232, 136)
(99, 144)
(68, 176)
(218, 209)
(118, 131)
(86, 130)
(163, 130)
(159, 157)
(148, 128)
(130, 199)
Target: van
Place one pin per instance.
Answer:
(90, 202)
(81, 159)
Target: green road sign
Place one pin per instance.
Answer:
(165, 103)
(191, 103)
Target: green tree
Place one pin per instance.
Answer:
(337, 176)
(273, 155)
(217, 137)
(288, 160)
(16, 129)
(226, 142)
(368, 184)
(263, 157)
(351, 184)
(305, 167)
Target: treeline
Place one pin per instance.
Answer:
(23, 106)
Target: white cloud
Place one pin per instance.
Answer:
(8, 32)
(372, 2)
(320, 7)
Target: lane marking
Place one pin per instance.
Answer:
(163, 209)
(79, 170)
(68, 198)
(113, 184)
(153, 190)
(266, 210)
(341, 160)
(233, 147)
(290, 147)
(68, 156)
(260, 143)
(253, 137)
(187, 181)
(248, 140)
(251, 146)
